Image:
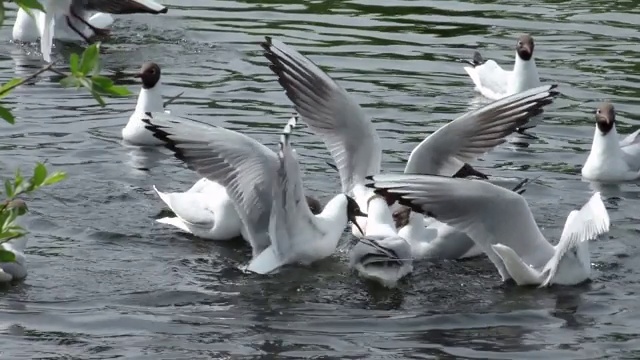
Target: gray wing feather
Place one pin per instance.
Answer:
(591, 221)
(239, 163)
(630, 146)
(380, 249)
(292, 222)
(474, 133)
(329, 111)
(489, 214)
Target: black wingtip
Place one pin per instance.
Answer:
(332, 165)
(369, 177)
(520, 188)
(164, 11)
(522, 131)
(467, 170)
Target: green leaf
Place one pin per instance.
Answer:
(8, 188)
(39, 175)
(70, 81)
(6, 88)
(119, 91)
(74, 61)
(89, 59)
(102, 82)
(7, 115)
(98, 98)
(18, 183)
(29, 4)
(7, 256)
(1, 13)
(54, 178)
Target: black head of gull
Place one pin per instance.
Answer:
(401, 216)
(524, 47)
(149, 74)
(605, 117)
(314, 205)
(353, 210)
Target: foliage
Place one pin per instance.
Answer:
(85, 72)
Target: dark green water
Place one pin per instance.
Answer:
(107, 282)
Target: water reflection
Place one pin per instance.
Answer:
(144, 158)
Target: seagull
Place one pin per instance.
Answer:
(421, 230)
(353, 143)
(207, 211)
(149, 100)
(15, 270)
(500, 221)
(26, 27)
(265, 187)
(75, 14)
(381, 255)
(496, 83)
(210, 216)
(612, 159)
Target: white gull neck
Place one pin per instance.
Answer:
(150, 100)
(524, 76)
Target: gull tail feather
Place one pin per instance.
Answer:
(517, 269)
(266, 262)
(174, 221)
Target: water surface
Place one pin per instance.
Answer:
(106, 281)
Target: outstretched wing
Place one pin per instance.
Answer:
(242, 165)
(329, 111)
(292, 225)
(591, 221)
(489, 214)
(474, 133)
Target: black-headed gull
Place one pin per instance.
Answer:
(265, 187)
(501, 223)
(611, 158)
(354, 144)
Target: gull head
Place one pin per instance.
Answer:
(524, 47)
(605, 117)
(314, 205)
(382, 260)
(353, 211)
(149, 74)
(401, 216)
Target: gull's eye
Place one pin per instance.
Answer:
(597, 111)
(519, 43)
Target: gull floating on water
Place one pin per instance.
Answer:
(353, 143)
(266, 189)
(205, 210)
(612, 159)
(149, 100)
(495, 83)
(75, 14)
(12, 271)
(27, 28)
(500, 221)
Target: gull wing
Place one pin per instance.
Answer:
(292, 225)
(475, 133)
(329, 111)
(239, 163)
(489, 214)
(591, 221)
